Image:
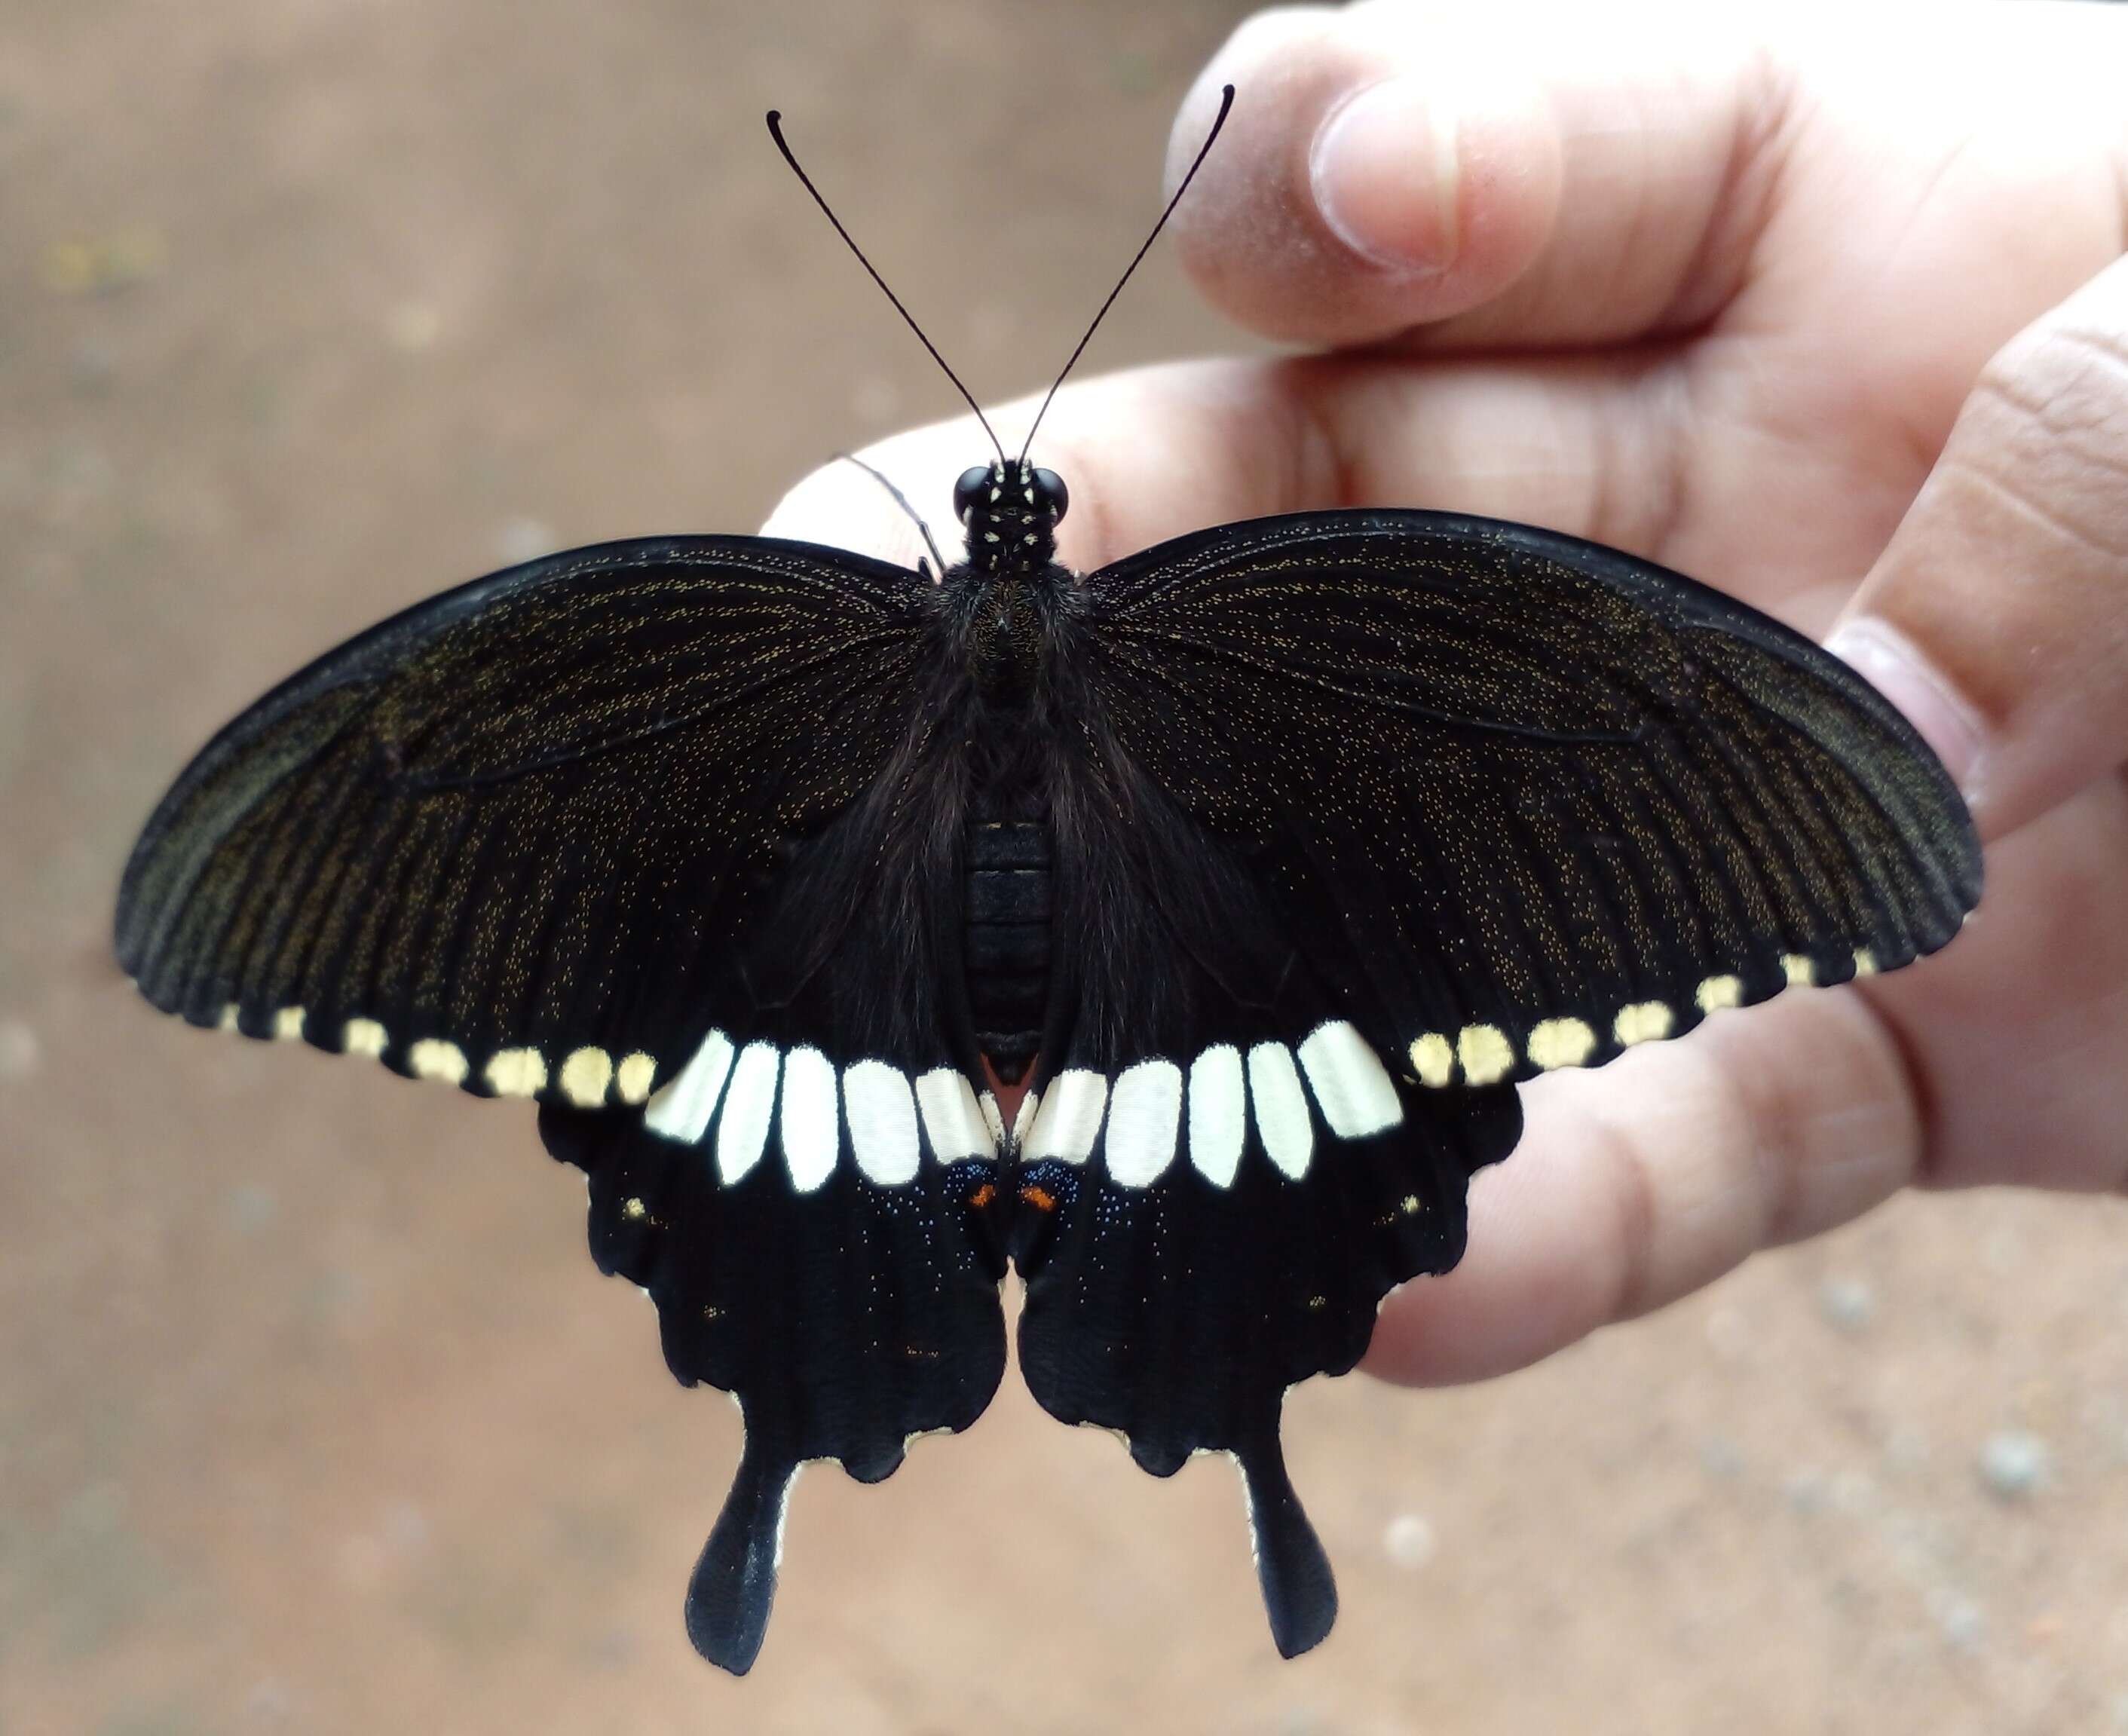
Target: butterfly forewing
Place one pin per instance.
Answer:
(511, 837)
(1549, 801)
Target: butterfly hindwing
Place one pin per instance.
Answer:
(508, 837)
(1220, 1178)
(819, 1243)
(1551, 800)
(813, 1198)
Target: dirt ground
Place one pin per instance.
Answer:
(315, 1416)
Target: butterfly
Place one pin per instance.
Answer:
(1258, 867)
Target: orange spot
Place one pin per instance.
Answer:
(982, 1196)
(1040, 1198)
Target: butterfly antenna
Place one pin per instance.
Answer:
(776, 132)
(900, 500)
(1203, 150)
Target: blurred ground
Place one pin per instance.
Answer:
(314, 1416)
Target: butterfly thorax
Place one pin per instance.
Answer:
(1002, 642)
(1003, 593)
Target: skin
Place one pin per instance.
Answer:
(1830, 311)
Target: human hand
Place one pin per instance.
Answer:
(1833, 315)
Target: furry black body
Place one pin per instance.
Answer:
(1005, 603)
(1007, 932)
(1270, 859)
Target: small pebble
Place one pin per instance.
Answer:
(1718, 1458)
(1959, 1618)
(1408, 1542)
(2013, 1464)
(1847, 1304)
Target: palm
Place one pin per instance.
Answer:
(1746, 365)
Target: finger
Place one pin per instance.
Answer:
(1388, 165)
(1512, 175)
(1637, 1183)
(1597, 446)
(1998, 617)
(1147, 454)
(1994, 1063)
(2014, 1034)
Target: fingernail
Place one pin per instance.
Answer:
(1889, 661)
(1383, 170)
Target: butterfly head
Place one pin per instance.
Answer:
(1010, 512)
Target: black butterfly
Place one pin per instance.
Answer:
(1266, 860)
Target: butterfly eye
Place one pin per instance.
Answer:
(975, 483)
(1050, 494)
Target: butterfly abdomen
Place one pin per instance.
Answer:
(1008, 939)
